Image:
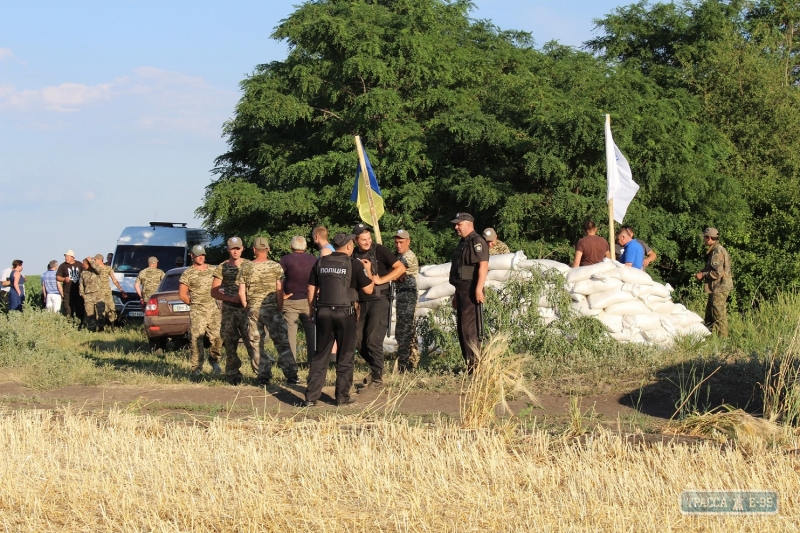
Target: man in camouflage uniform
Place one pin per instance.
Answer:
(261, 292)
(718, 282)
(148, 280)
(106, 273)
(195, 290)
(406, 304)
(90, 287)
(234, 314)
(496, 246)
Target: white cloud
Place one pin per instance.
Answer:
(5, 53)
(159, 100)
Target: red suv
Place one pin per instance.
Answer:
(165, 315)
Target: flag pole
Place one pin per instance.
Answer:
(365, 176)
(611, 247)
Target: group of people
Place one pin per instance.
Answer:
(342, 299)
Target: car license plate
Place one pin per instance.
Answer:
(135, 313)
(177, 308)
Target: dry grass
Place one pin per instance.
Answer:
(69, 471)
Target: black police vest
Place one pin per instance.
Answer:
(372, 256)
(334, 274)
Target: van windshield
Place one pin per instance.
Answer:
(132, 259)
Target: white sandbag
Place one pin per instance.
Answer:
(634, 275)
(585, 272)
(493, 283)
(625, 336)
(578, 298)
(546, 312)
(421, 311)
(604, 299)
(662, 308)
(583, 308)
(691, 318)
(695, 330)
(633, 288)
(435, 271)
(522, 274)
(544, 264)
(633, 307)
(440, 291)
(612, 322)
(506, 261)
(426, 282)
(679, 309)
(644, 322)
(498, 275)
(657, 336)
(657, 289)
(668, 326)
(543, 302)
(593, 286)
(674, 320)
(433, 303)
(652, 299)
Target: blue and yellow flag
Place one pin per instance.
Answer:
(359, 195)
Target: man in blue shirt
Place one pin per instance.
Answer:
(51, 288)
(633, 254)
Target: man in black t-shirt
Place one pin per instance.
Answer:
(69, 273)
(332, 287)
(468, 270)
(373, 321)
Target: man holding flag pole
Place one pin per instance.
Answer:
(621, 187)
(374, 316)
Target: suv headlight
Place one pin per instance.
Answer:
(117, 300)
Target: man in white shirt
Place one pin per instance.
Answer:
(5, 285)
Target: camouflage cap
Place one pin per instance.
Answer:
(490, 234)
(99, 257)
(260, 243)
(711, 232)
(152, 259)
(402, 234)
(198, 249)
(461, 217)
(235, 242)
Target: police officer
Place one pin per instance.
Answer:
(373, 321)
(470, 264)
(233, 325)
(334, 281)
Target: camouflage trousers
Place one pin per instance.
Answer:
(404, 331)
(260, 321)
(204, 321)
(111, 309)
(233, 328)
(717, 313)
(95, 311)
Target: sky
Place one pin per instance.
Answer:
(111, 112)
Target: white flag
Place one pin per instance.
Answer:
(621, 186)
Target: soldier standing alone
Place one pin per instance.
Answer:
(234, 314)
(195, 290)
(148, 280)
(468, 270)
(718, 282)
(406, 304)
(261, 292)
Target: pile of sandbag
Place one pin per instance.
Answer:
(632, 306)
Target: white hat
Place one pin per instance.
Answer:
(69, 252)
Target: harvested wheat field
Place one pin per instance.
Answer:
(72, 471)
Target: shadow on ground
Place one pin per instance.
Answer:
(691, 387)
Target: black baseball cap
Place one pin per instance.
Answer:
(340, 240)
(461, 217)
(360, 228)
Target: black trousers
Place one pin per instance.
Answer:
(370, 332)
(333, 324)
(72, 303)
(467, 323)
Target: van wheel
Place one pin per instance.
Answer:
(158, 345)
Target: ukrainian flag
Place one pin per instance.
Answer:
(359, 194)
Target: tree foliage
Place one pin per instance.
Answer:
(457, 114)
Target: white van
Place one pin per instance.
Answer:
(170, 242)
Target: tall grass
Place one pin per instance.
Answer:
(71, 471)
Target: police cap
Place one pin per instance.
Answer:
(461, 217)
(340, 240)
